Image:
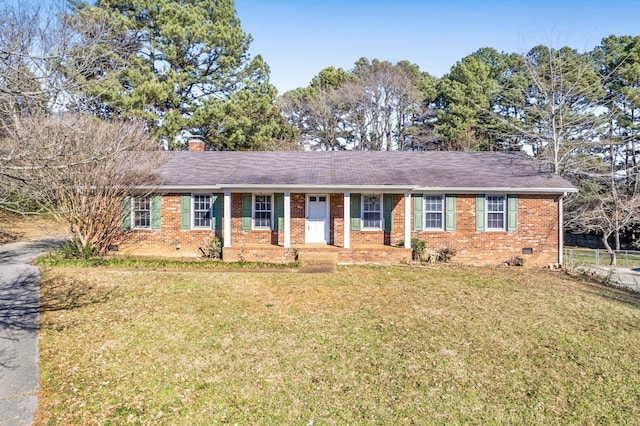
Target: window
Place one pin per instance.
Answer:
(496, 212)
(371, 212)
(141, 210)
(434, 212)
(201, 211)
(262, 212)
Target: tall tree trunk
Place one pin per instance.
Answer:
(610, 251)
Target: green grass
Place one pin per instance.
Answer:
(365, 345)
(574, 256)
(57, 259)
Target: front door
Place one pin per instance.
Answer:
(317, 219)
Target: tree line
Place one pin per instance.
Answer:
(576, 111)
(158, 68)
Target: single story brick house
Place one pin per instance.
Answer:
(364, 206)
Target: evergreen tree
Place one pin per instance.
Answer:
(191, 70)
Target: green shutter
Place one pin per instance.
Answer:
(387, 207)
(355, 212)
(185, 211)
(156, 214)
(246, 211)
(450, 212)
(216, 211)
(512, 212)
(278, 210)
(125, 213)
(418, 208)
(480, 208)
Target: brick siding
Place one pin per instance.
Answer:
(537, 229)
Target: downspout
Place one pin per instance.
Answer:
(561, 228)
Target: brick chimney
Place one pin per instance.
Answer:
(195, 144)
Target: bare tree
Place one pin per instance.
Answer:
(605, 206)
(53, 159)
(78, 169)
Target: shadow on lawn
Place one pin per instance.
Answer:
(24, 296)
(22, 299)
(602, 287)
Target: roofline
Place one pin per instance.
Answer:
(476, 190)
(354, 188)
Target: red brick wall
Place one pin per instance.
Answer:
(537, 228)
(170, 239)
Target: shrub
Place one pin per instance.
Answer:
(515, 261)
(212, 248)
(417, 248)
(446, 254)
(76, 250)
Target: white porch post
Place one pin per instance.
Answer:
(287, 219)
(347, 220)
(560, 228)
(226, 226)
(407, 220)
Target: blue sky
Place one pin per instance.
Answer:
(299, 38)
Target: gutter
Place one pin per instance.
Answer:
(400, 189)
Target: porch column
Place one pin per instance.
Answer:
(287, 219)
(561, 228)
(347, 220)
(226, 214)
(407, 220)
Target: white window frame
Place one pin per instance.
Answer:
(134, 200)
(193, 211)
(372, 228)
(487, 212)
(426, 211)
(253, 212)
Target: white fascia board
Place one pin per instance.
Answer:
(356, 188)
(495, 190)
(188, 188)
(319, 188)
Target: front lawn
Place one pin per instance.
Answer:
(366, 345)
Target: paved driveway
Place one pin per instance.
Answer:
(19, 309)
(621, 277)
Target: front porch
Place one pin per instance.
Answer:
(381, 254)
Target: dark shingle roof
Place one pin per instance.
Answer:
(411, 170)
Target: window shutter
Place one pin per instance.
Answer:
(216, 211)
(156, 213)
(185, 211)
(418, 208)
(480, 209)
(278, 210)
(387, 207)
(125, 213)
(246, 212)
(355, 212)
(450, 212)
(512, 212)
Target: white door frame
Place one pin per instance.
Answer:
(326, 219)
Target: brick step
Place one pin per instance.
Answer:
(318, 262)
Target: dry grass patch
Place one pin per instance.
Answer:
(363, 345)
(15, 227)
